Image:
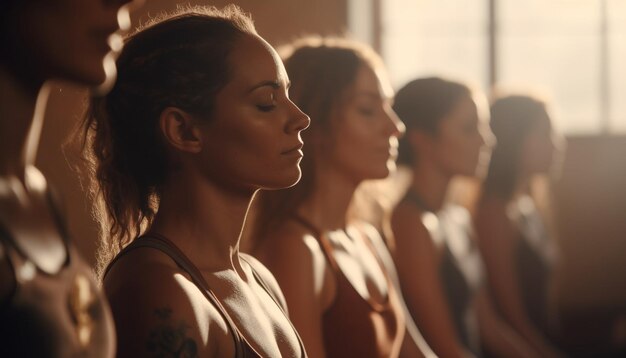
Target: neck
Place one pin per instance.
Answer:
(22, 108)
(327, 207)
(430, 184)
(204, 220)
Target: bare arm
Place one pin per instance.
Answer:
(497, 238)
(157, 314)
(417, 263)
(414, 344)
(299, 266)
(497, 336)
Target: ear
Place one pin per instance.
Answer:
(180, 130)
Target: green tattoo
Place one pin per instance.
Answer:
(169, 340)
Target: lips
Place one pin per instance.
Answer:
(107, 38)
(294, 149)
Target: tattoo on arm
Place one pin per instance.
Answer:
(169, 339)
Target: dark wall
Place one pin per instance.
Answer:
(591, 220)
(277, 21)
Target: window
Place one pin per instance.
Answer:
(573, 51)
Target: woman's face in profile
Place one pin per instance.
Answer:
(69, 39)
(463, 139)
(541, 146)
(253, 136)
(365, 129)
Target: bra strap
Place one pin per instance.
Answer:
(161, 243)
(321, 238)
(417, 200)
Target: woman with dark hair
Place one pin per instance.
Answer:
(440, 268)
(49, 302)
(336, 273)
(198, 121)
(513, 237)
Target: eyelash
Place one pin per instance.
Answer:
(367, 112)
(266, 108)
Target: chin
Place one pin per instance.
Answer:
(381, 173)
(94, 71)
(284, 182)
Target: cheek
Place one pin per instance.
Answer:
(460, 155)
(539, 155)
(76, 41)
(249, 151)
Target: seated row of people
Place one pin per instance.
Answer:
(202, 116)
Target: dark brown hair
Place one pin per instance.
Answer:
(512, 119)
(178, 60)
(321, 70)
(421, 104)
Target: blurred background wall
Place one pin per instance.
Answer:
(578, 59)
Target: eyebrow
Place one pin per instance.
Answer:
(269, 83)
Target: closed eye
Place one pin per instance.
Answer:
(366, 111)
(266, 108)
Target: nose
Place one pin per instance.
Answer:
(395, 126)
(298, 120)
(124, 7)
(559, 143)
(487, 138)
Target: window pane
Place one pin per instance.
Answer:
(435, 37)
(617, 63)
(554, 46)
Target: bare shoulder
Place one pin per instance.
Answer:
(410, 226)
(296, 259)
(370, 232)
(291, 246)
(491, 209)
(492, 222)
(158, 311)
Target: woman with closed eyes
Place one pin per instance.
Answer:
(198, 121)
(50, 305)
(336, 273)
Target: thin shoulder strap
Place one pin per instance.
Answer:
(417, 200)
(164, 245)
(323, 240)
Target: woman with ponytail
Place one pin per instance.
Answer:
(198, 121)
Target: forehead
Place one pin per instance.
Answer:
(253, 60)
(372, 81)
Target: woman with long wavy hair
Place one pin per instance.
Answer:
(513, 234)
(336, 272)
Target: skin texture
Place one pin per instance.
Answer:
(69, 39)
(362, 142)
(247, 144)
(45, 40)
(498, 234)
(459, 147)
